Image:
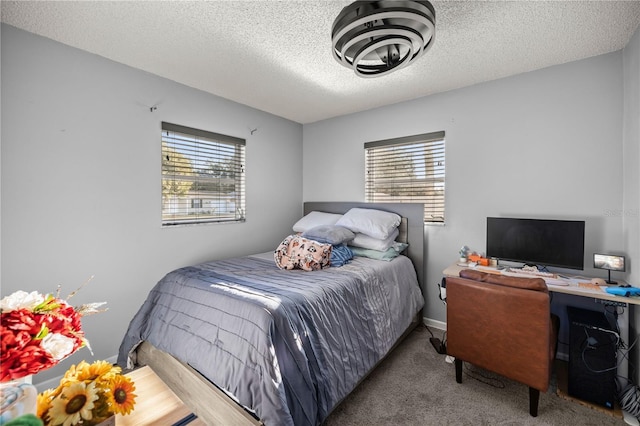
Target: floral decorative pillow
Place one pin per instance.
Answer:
(296, 252)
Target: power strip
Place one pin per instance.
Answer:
(440, 347)
(611, 303)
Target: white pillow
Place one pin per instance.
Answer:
(365, 241)
(314, 219)
(374, 223)
(329, 234)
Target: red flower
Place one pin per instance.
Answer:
(22, 319)
(22, 330)
(29, 360)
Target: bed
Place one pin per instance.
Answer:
(241, 346)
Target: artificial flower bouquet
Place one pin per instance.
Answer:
(38, 331)
(88, 394)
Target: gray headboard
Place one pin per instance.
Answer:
(413, 212)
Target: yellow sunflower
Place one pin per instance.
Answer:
(75, 402)
(121, 397)
(44, 399)
(75, 370)
(99, 369)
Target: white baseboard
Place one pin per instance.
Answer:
(434, 323)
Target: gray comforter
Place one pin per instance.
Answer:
(287, 345)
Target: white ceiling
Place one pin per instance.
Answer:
(276, 55)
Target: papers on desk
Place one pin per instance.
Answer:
(592, 287)
(548, 280)
(488, 269)
(556, 281)
(582, 286)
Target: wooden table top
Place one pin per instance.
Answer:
(155, 404)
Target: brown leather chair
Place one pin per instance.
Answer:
(502, 324)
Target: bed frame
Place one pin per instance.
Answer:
(214, 406)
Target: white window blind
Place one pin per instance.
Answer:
(203, 176)
(408, 170)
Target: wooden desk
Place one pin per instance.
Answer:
(155, 404)
(573, 288)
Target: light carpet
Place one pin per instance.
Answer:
(416, 386)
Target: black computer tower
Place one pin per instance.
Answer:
(592, 357)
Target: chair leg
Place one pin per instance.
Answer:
(458, 364)
(534, 397)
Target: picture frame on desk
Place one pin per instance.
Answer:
(609, 262)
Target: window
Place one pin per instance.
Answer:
(406, 170)
(202, 176)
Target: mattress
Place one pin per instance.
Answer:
(288, 345)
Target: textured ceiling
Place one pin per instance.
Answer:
(276, 55)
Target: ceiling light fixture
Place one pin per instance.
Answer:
(375, 38)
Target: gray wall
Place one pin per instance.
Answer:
(542, 144)
(81, 191)
(631, 178)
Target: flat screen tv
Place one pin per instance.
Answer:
(541, 242)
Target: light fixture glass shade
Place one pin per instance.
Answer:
(375, 38)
